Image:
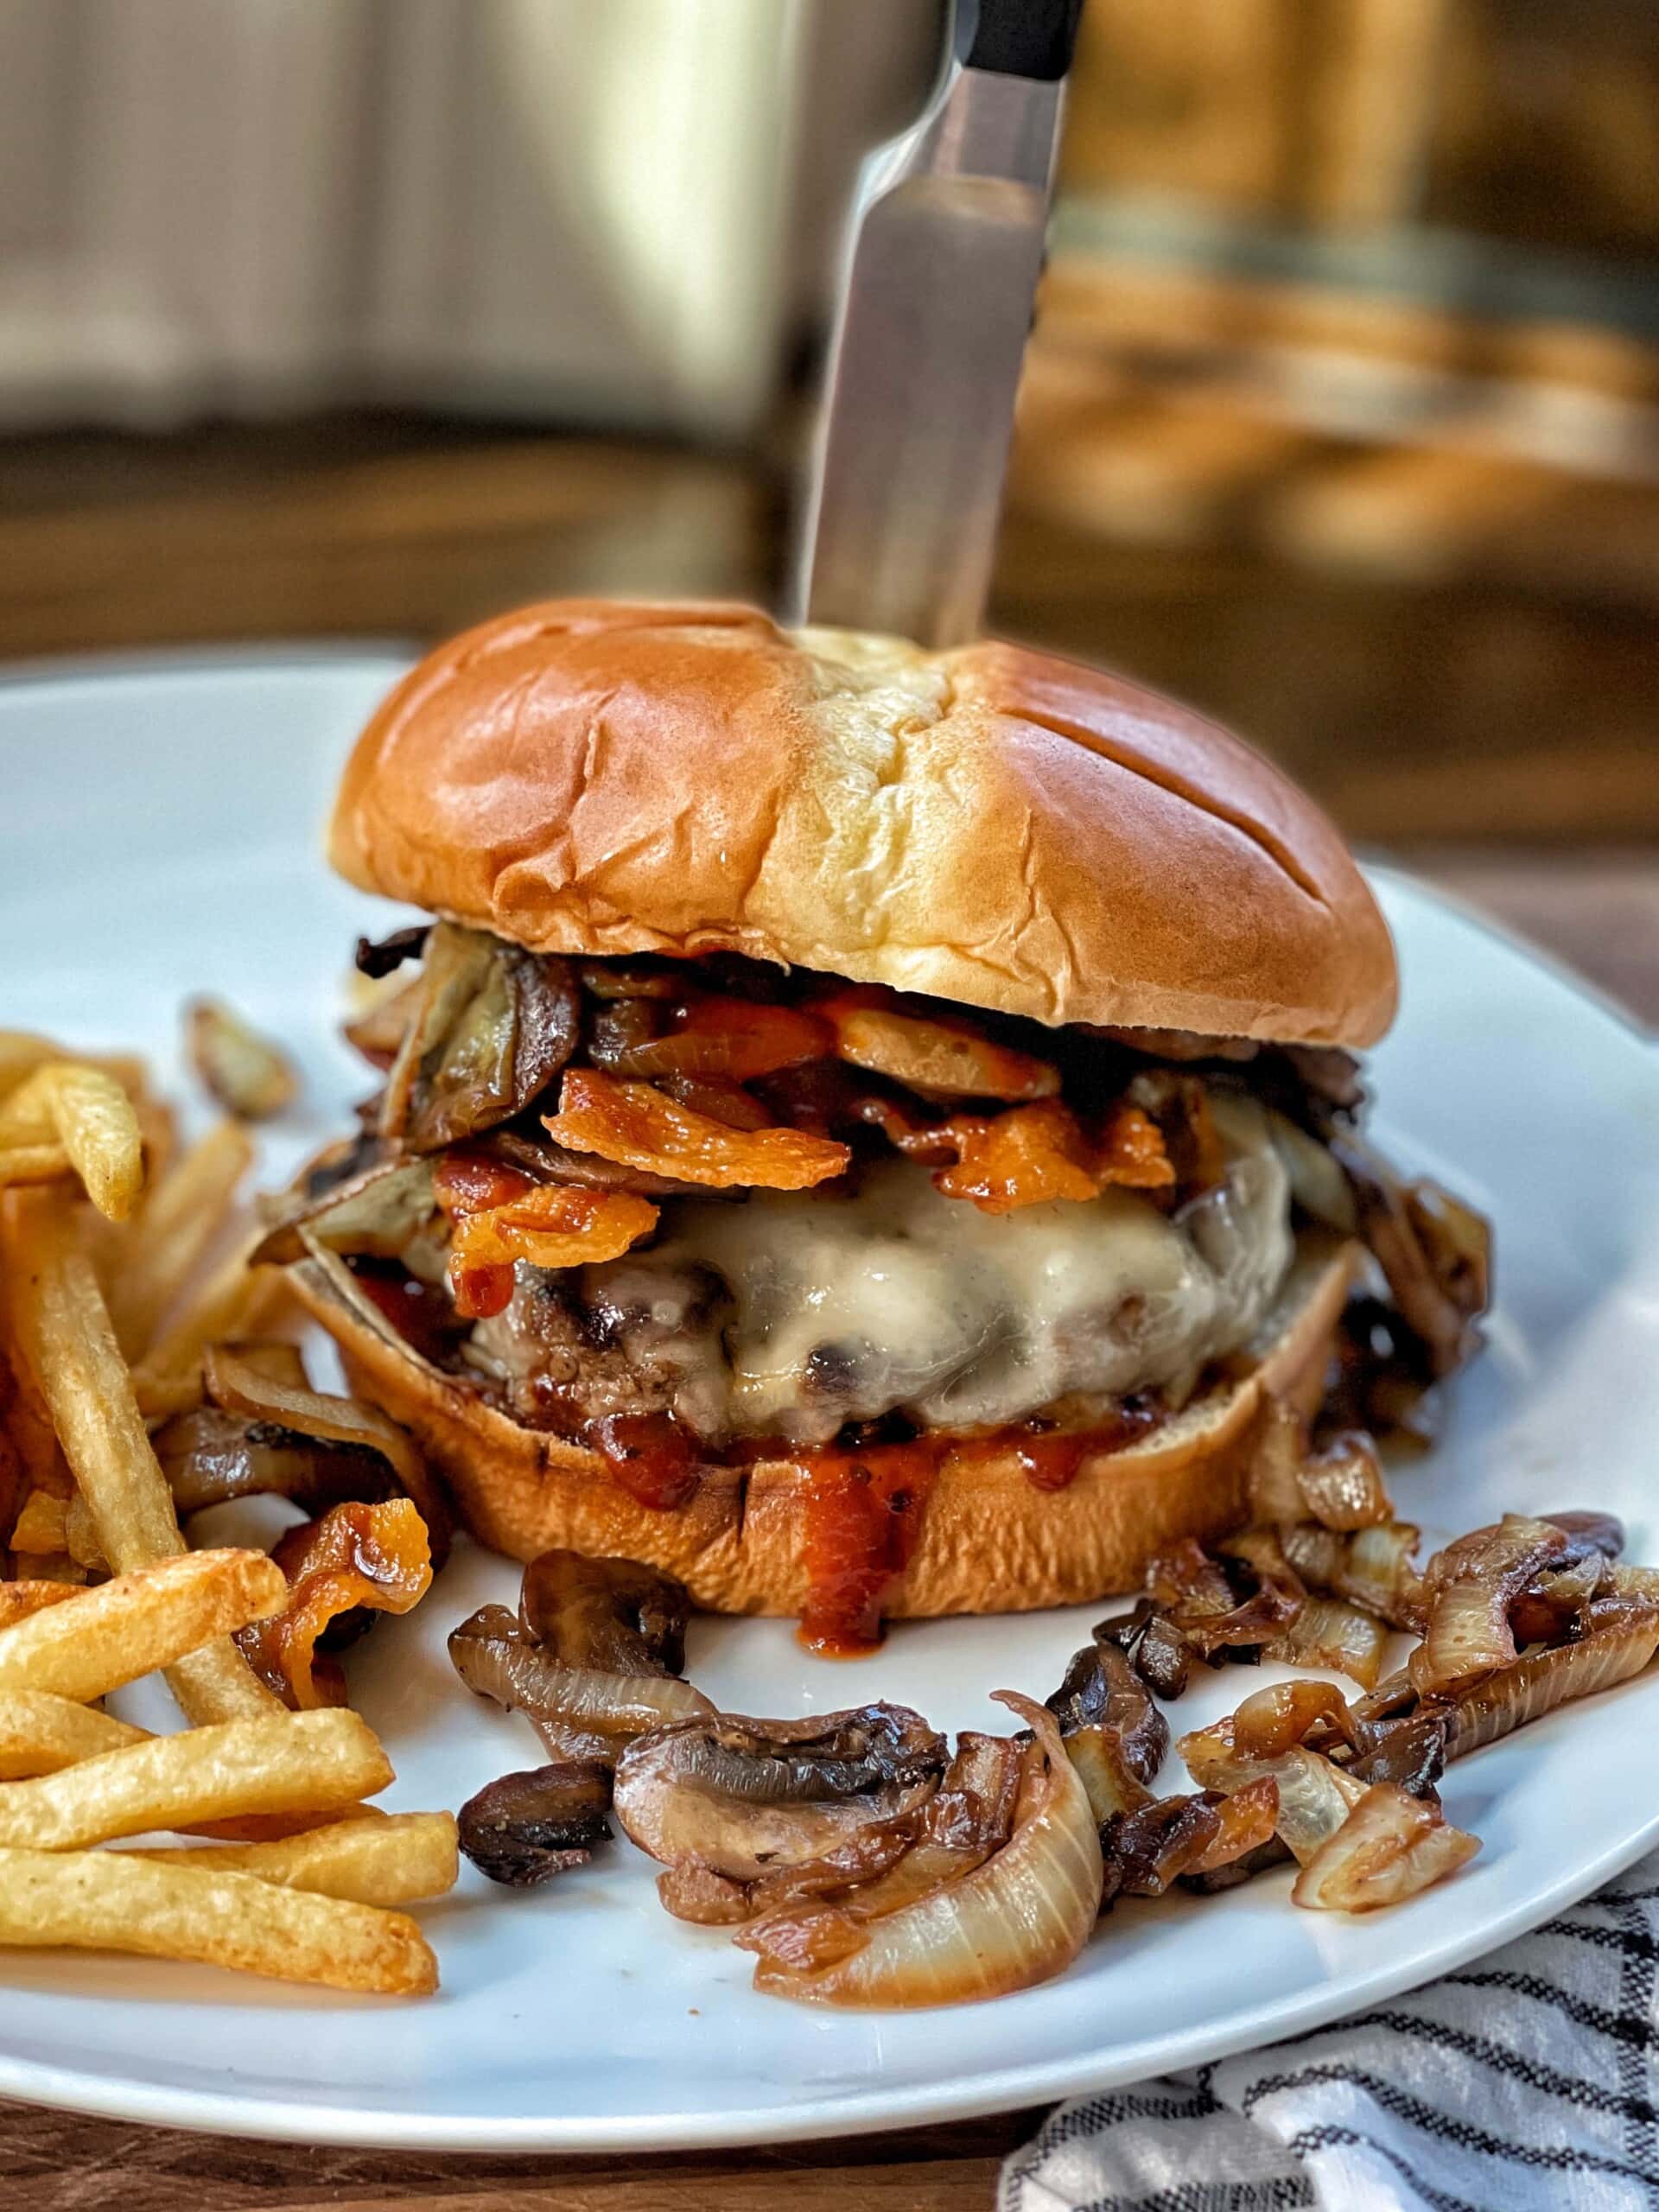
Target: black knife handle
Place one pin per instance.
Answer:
(1025, 38)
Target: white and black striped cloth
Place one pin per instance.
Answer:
(1528, 2080)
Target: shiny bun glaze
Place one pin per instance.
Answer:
(990, 825)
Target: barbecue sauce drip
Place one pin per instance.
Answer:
(864, 1513)
(865, 1505)
(651, 1456)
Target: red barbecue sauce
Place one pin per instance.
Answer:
(865, 1506)
(864, 1511)
(651, 1456)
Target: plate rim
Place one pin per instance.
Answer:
(821, 2118)
(864, 2109)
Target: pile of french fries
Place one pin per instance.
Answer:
(120, 1265)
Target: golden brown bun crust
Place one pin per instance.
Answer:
(989, 1543)
(990, 825)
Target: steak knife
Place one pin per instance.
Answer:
(948, 245)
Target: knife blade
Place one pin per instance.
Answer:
(900, 519)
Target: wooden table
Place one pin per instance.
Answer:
(1599, 911)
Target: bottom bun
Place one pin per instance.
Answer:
(989, 1542)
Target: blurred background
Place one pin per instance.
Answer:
(1341, 416)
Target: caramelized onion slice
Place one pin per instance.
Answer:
(1435, 1252)
(524, 1829)
(1339, 1487)
(1343, 1484)
(1328, 1633)
(376, 1211)
(747, 1796)
(1186, 1583)
(209, 1456)
(1018, 1918)
(1389, 1847)
(1029, 1156)
(636, 1125)
(1315, 1797)
(1618, 1646)
(248, 1075)
(1470, 1586)
(237, 1384)
(1371, 1568)
(732, 1039)
(356, 1557)
(580, 1713)
(1114, 1788)
(1277, 1718)
(945, 1059)
(1247, 1822)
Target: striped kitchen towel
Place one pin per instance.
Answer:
(1528, 2080)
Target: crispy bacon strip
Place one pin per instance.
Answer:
(931, 1056)
(1034, 1154)
(634, 1124)
(1022, 1158)
(557, 1226)
(548, 1225)
(373, 1556)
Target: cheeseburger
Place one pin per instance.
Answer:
(873, 1133)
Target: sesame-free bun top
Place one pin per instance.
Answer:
(986, 824)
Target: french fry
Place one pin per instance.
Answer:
(140, 1621)
(33, 1163)
(230, 1303)
(118, 1901)
(40, 1734)
(28, 1418)
(63, 1326)
(87, 1111)
(384, 1861)
(80, 1536)
(288, 1761)
(21, 1052)
(183, 1217)
(279, 1828)
(19, 1600)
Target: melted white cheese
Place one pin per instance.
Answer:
(896, 1297)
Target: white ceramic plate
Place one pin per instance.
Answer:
(158, 834)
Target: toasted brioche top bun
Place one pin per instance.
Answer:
(988, 825)
(989, 1541)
